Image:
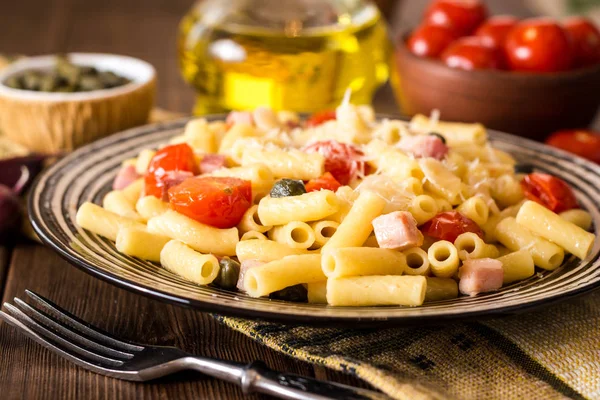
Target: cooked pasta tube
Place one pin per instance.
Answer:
(581, 218)
(441, 289)
(440, 180)
(515, 236)
(517, 266)
(359, 261)
(423, 208)
(506, 190)
(198, 236)
(252, 235)
(251, 222)
(115, 201)
(455, 133)
(236, 132)
(311, 206)
(296, 234)
(133, 191)
(396, 164)
(198, 135)
(140, 243)
(265, 250)
(476, 209)
(260, 177)
(376, 290)
(417, 262)
(292, 164)
(470, 245)
(289, 271)
(317, 292)
(323, 230)
(356, 227)
(443, 258)
(103, 222)
(489, 228)
(443, 204)
(543, 222)
(150, 206)
(193, 266)
(143, 161)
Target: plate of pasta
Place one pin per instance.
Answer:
(343, 217)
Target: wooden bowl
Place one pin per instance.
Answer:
(526, 104)
(50, 122)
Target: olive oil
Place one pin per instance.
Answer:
(289, 66)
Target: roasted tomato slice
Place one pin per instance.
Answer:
(320, 117)
(584, 143)
(169, 166)
(343, 160)
(325, 181)
(214, 201)
(449, 225)
(550, 191)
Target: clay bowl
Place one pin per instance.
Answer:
(526, 104)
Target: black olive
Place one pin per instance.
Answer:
(297, 293)
(287, 187)
(523, 169)
(229, 274)
(443, 139)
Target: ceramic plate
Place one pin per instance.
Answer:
(87, 174)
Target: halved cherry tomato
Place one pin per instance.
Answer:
(495, 29)
(167, 162)
(471, 53)
(430, 40)
(584, 143)
(325, 181)
(463, 16)
(586, 40)
(320, 117)
(343, 160)
(538, 45)
(216, 201)
(550, 191)
(449, 225)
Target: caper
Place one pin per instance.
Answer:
(229, 274)
(296, 293)
(523, 168)
(32, 80)
(14, 82)
(48, 82)
(88, 83)
(287, 187)
(443, 139)
(109, 79)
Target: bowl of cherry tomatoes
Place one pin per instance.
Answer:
(530, 77)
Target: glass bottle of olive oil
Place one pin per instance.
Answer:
(298, 55)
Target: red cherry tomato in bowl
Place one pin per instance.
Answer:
(538, 45)
(449, 225)
(167, 162)
(550, 191)
(430, 40)
(586, 40)
(216, 201)
(343, 160)
(324, 182)
(463, 16)
(320, 117)
(495, 29)
(471, 53)
(583, 143)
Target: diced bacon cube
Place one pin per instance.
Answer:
(422, 146)
(245, 266)
(480, 275)
(125, 177)
(397, 230)
(173, 178)
(212, 162)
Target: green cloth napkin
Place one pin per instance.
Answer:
(553, 353)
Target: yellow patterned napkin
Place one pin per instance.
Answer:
(553, 353)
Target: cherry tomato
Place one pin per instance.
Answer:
(538, 45)
(463, 16)
(430, 41)
(586, 40)
(496, 29)
(325, 181)
(550, 191)
(216, 201)
(471, 53)
(320, 117)
(449, 225)
(584, 143)
(343, 160)
(168, 160)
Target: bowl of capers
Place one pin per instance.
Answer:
(58, 103)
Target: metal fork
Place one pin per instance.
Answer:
(90, 348)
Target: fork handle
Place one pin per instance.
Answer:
(257, 377)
